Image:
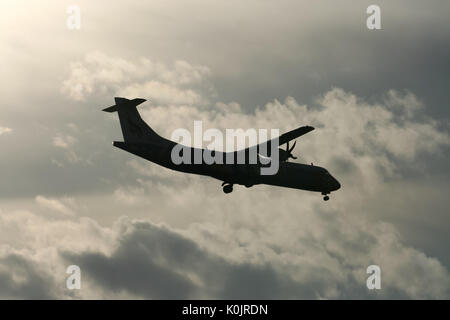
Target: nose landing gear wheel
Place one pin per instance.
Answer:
(228, 188)
(326, 198)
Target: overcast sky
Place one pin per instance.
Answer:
(378, 99)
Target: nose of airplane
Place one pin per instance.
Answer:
(335, 184)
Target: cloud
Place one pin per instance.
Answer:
(163, 93)
(67, 143)
(309, 251)
(145, 78)
(55, 205)
(129, 195)
(323, 253)
(23, 279)
(388, 147)
(64, 142)
(30, 266)
(4, 130)
(264, 242)
(351, 133)
(155, 262)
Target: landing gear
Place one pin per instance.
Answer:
(227, 187)
(325, 198)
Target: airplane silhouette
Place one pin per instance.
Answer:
(141, 140)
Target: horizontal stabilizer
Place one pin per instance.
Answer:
(124, 102)
(110, 109)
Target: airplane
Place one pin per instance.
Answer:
(143, 141)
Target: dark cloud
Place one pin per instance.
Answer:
(156, 263)
(20, 278)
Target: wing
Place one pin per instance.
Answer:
(294, 134)
(285, 137)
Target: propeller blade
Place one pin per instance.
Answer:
(293, 146)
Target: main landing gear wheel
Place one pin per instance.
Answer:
(227, 187)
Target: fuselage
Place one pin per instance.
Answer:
(289, 174)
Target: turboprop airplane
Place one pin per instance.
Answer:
(141, 140)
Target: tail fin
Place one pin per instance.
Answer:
(134, 129)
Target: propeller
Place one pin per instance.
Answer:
(287, 154)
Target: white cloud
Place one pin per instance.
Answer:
(321, 255)
(129, 195)
(162, 93)
(99, 73)
(55, 205)
(67, 143)
(365, 137)
(408, 103)
(30, 245)
(4, 130)
(64, 141)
